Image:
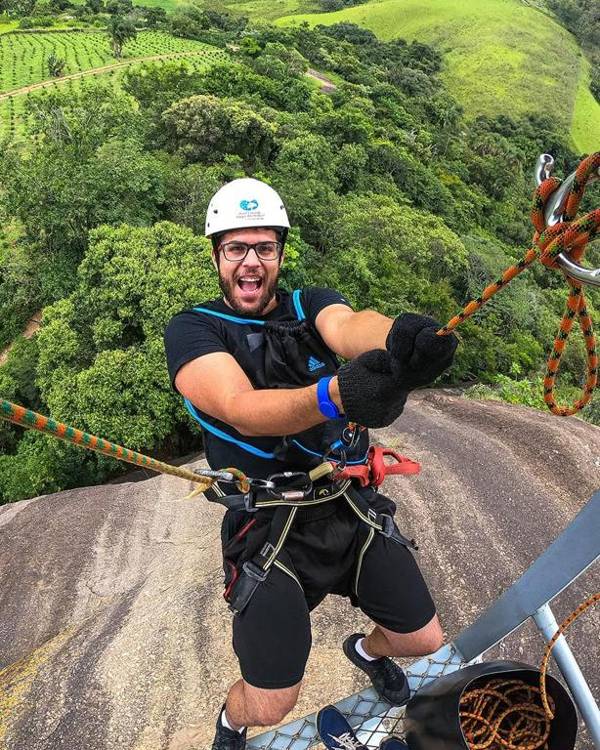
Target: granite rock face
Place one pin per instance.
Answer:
(113, 631)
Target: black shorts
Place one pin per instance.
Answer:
(329, 551)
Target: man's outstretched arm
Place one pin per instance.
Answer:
(350, 333)
(389, 358)
(217, 385)
(365, 389)
(417, 354)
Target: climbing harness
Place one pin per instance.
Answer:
(560, 242)
(285, 493)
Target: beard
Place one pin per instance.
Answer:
(267, 293)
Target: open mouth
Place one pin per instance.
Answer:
(250, 284)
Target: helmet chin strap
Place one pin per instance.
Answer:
(282, 233)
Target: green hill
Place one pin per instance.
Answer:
(500, 56)
(271, 9)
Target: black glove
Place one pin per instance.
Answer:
(369, 390)
(418, 354)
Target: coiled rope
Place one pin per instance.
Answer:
(568, 236)
(504, 714)
(509, 713)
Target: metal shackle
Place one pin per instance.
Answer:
(554, 213)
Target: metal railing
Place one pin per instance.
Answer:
(573, 552)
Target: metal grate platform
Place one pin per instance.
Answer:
(365, 711)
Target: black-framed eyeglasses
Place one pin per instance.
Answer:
(237, 251)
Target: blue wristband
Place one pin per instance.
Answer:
(326, 406)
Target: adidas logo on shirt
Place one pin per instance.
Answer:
(315, 364)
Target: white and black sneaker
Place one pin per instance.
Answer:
(228, 739)
(387, 677)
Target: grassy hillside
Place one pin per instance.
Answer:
(267, 10)
(168, 5)
(501, 56)
(586, 116)
(272, 9)
(23, 61)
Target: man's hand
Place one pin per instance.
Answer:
(369, 390)
(418, 354)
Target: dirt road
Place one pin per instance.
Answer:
(31, 328)
(327, 84)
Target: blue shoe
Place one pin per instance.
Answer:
(335, 732)
(393, 743)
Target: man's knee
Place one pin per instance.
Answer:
(421, 642)
(431, 639)
(270, 707)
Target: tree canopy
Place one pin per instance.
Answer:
(394, 198)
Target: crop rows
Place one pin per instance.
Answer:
(23, 57)
(159, 43)
(12, 109)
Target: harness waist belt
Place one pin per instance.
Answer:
(257, 499)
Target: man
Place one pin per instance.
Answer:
(259, 371)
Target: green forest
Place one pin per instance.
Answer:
(399, 195)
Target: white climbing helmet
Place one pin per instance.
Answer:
(243, 203)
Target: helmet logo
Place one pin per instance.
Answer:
(249, 205)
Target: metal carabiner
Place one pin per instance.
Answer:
(339, 461)
(351, 436)
(278, 489)
(221, 476)
(262, 484)
(553, 214)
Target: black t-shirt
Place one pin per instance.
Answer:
(191, 334)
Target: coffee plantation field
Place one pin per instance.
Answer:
(23, 56)
(23, 63)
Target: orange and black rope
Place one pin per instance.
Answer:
(594, 599)
(570, 237)
(505, 713)
(510, 714)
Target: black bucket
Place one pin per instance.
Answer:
(432, 714)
